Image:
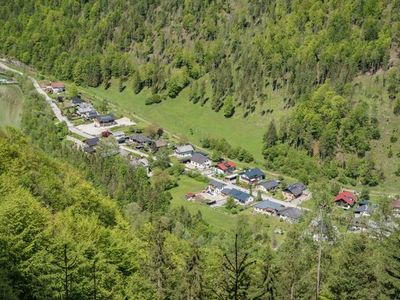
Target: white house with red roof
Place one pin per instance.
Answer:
(346, 199)
(225, 167)
(57, 87)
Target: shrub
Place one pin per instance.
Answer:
(155, 98)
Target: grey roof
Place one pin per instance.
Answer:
(105, 118)
(254, 173)
(270, 184)
(239, 195)
(76, 100)
(118, 133)
(365, 208)
(199, 158)
(226, 191)
(217, 184)
(92, 141)
(267, 204)
(291, 212)
(140, 138)
(92, 114)
(296, 189)
(184, 149)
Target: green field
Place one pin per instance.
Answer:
(11, 99)
(181, 117)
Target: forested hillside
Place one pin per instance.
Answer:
(240, 58)
(245, 46)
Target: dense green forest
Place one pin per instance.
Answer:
(74, 226)
(245, 46)
(308, 52)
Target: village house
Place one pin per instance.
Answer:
(104, 120)
(225, 168)
(294, 191)
(239, 196)
(185, 151)
(160, 144)
(90, 115)
(119, 136)
(364, 209)
(346, 200)
(143, 163)
(141, 139)
(396, 208)
(76, 100)
(291, 214)
(200, 161)
(267, 186)
(268, 207)
(90, 144)
(215, 187)
(83, 108)
(190, 196)
(252, 176)
(57, 87)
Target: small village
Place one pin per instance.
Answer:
(228, 184)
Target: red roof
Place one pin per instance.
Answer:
(57, 85)
(222, 166)
(230, 164)
(226, 165)
(190, 195)
(347, 197)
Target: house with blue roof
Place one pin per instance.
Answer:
(252, 175)
(240, 197)
(268, 207)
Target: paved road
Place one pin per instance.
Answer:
(54, 107)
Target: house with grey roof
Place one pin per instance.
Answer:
(291, 214)
(252, 175)
(294, 191)
(215, 187)
(185, 151)
(104, 120)
(268, 207)
(200, 161)
(269, 185)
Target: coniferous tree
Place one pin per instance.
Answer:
(271, 136)
(390, 277)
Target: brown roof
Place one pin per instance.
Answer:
(396, 204)
(161, 143)
(57, 85)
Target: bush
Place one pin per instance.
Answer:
(155, 98)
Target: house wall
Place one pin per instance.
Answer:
(288, 196)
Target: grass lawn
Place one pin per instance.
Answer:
(11, 100)
(184, 118)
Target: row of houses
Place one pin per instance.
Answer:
(291, 214)
(255, 176)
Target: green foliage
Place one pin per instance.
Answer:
(229, 108)
(155, 98)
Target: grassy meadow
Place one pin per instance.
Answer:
(11, 100)
(183, 118)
